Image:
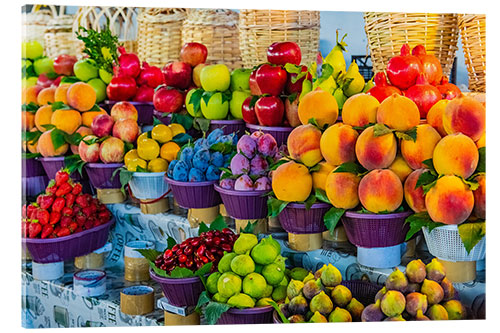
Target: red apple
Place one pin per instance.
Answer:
(112, 150)
(254, 87)
(281, 53)
(269, 111)
(123, 110)
(89, 153)
(63, 64)
(44, 81)
(248, 112)
(194, 53)
(57, 81)
(126, 130)
(144, 94)
(296, 87)
(177, 74)
(168, 99)
(102, 125)
(271, 79)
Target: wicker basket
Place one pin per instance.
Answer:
(387, 32)
(261, 28)
(35, 22)
(217, 29)
(121, 23)
(159, 34)
(59, 37)
(473, 33)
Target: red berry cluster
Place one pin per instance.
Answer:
(62, 210)
(195, 252)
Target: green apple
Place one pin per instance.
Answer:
(100, 89)
(105, 75)
(215, 78)
(215, 108)
(85, 69)
(190, 107)
(31, 49)
(29, 82)
(240, 78)
(237, 99)
(44, 65)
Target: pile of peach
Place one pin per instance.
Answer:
(454, 132)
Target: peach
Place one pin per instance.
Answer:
(342, 189)
(46, 147)
(66, 120)
(46, 96)
(456, 154)
(465, 115)
(375, 152)
(435, 116)
(360, 110)
(482, 141)
(81, 96)
(27, 120)
(415, 152)
(415, 197)
(126, 130)
(123, 110)
(83, 131)
(297, 190)
(449, 201)
(304, 144)
(400, 168)
(31, 147)
(102, 125)
(380, 191)
(319, 177)
(88, 117)
(29, 95)
(480, 197)
(61, 93)
(89, 153)
(399, 113)
(320, 105)
(43, 116)
(112, 150)
(337, 144)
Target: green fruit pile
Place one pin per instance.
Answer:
(251, 275)
(421, 293)
(319, 297)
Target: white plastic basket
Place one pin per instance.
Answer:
(445, 243)
(148, 185)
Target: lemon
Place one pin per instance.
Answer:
(142, 137)
(176, 129)
(158, 165)
(148, 149)
(129, 156)
(161, 133)
(169, 151)
(134, 163)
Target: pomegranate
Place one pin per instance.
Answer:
(168, 99)
(151, 76)
(404, 69)
(423, 94)
(382, 89)
(121, 88)
(431, 66)
(144, 94)
(129, 63)
(448, 90)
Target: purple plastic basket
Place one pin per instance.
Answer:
(144, 111)
(68, 247)
(363, 291)
(180, 292)
(296, 219)
(279, 133)
(375, 230)
(260, 315)
(195, 194)
(31, 167)
(54, 164)
(32, 186)
(244, 205)
(101, 175)
(228, 126)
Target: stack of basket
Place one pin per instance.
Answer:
(35, 22)
(473, 33)
(59, 37)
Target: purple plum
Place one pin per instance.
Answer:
(258, 166)
(262, 184)
(240, 164)
(257, 134)
(247, 146)
(243, 183)
(227, 183)
(267, 145)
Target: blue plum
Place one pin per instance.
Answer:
(214, 136)
(181, 171)
(213, 173)
(217, 159)
(195, 175)
(201, 144)
(201, 159)
(187, 156)
(170, 170)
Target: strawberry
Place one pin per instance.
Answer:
(87, 211)
(47, 231)
(31, 210)
(76, 209)
(77, 189)
(43, 216)
(64, 189)
(58, 204)
(24, 228)
(79, 229)
(45, 200)
(80, 219)
(24, 211)
(34, 229)
(62, 177)
(65, 221)
(54, 217)
(72, 227)
(70, 199)
(51, 188)
(67, 211)
(89, 223)
(82, 200)
(63, 232)
(104, 216)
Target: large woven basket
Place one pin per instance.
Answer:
(159, 34)
(261, 28)
(473, 33)
(387, 32)
(35, 22)
(217, 29)
(59, 37)
(121, 23)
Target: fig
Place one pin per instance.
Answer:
(341, 296)
(294, 288)
(412, 288)
(414, 302)
(339, 315)
(456, 310)
(284, 310)
(298, 305)
(298, 273)
(297, 319)
(437, 312)
(330, 276)
(318, 273)
(318, 318)
(393, 303)
(433, 291)
(435, 271)
(372, 313)
(312, 288)
(420, 316)
(448, 289)
(309, 277)
(355, 308)
(321, 303)
(415, 271)
(397, 318)
(396, 281)
(380, 293)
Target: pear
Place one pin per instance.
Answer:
(358, 81)
(336, 57)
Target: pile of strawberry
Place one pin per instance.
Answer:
(62, 210)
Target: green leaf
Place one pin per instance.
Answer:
(125, 177)
(350, 167)
(73, 139)
(31, 107)
(101, 46)
(206, 95)
(48, 127)
(141, 169)
(253, 101)
(69, 79)
(182, 138)
(481, 165)
(313, 121)
(31, 137)
(156, 121)
(277, 164)
(473, 185)
(293, 69)
(202, 228)
(170, 242)
(326, 72)
(74, 163)
(380, 130)
(60, 106)
(332, 218)
(298, 77)
(183, 119)
(275, 206)
(292, 97)
(181, 273)
(430, 165)
(58, 138)
(275, 306)
(149, 254)
(195, 99)
(311, 200)
(418, 221)
(157, 270)
(203, 299)
(28, 156)
(249, 228)
(226, 96)
(362, 128)
(94, 108)
(201, 124)
(128, 146)
(218, 224)
(471, 233)
(321, 196)
(214, 310)
(425, 178)
(202, 271)
(426, 188)
(314, 168)
(223, 147)
(410, 135)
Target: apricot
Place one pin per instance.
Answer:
(83, 131)
(88, 117)
(342, 189)
(337, 144)
(414, 197)
(46, 96)
(66, 120)
(399, 113)
(27, 120)
(43, 116)
(60, 94)
(375, 152)
(360, 110)
(482, 141)
(415, 152)
(380, 190)
(435, 116)
(465, 115)
(320, 105)
(480, 197)
(29, 95)
(400, 168)
(319, 177)
(449, 201)
(304, 144)
(287, 190)
(81, 96)
(46, 147)
(455, 154)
